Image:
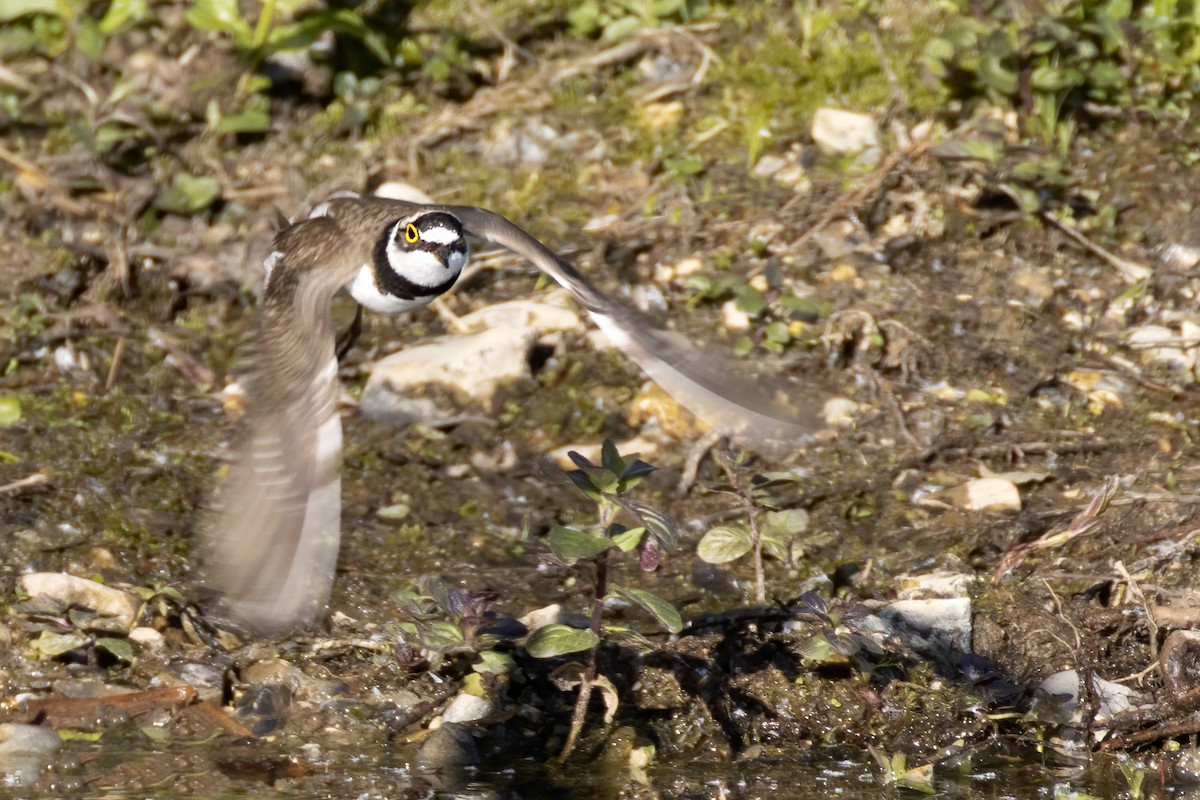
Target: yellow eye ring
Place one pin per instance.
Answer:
(410, 234)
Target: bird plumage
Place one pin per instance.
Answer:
(273, 546)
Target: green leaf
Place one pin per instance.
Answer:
(255, 117)
(570, 545)
(49, 644)
(750, 300)
(558, 640)
(119, 648)
(188, 194)
(620, 28)
(724, 544)
(602, 480)
(663, 611)
(10, 411)
(659, 524)
(638, 469)
(610, 459)
(787, 523)
(493, 662)
(778, 332)
(221, 16)
(15, 9)
(123, 14)
(625, 541)
(743, 345)
(818, 649)
(780, 528)
(442, 636)
(342, 21)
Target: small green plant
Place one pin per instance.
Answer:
(616, 19)
(897, 773)
(51, 27)
(837, 637)
(772, 312)
(448, 622)
(271, 34)
(1059, 61)
(607, 484)
(762, 530)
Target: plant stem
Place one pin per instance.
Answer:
(760, 584)
(731, 471)
(263, 27)
(599, 591)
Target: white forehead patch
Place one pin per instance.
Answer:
(440, 235)
(364, 290)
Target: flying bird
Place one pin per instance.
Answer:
(273, 544)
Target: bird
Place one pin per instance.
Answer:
(272, 542)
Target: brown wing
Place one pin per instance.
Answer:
(720, 392)
(273, 542)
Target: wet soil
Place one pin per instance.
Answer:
(975, 340)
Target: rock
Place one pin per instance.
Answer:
(449, 746)
(653, 408)
(474, 365)
(526, 143)
(467, 708)
(147, 637)
(538, 316)
(935, 584)
(939, 628)
(591, 451)
(768, 166)
(117, 610)
(277, 672)
(838, 132)
(983, 494)
(1160, 344)
(1059, 700)
(734, 319)
(207, 679)
(24, 752)
(839, 412)
(552, 614)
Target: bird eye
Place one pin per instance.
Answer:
(410, 234)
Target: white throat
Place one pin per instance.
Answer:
(364, 290)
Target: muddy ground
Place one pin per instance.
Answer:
(1052, 352)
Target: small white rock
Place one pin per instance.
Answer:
(1170, 352)
(984, 494)
(118, 609)
(944, 622)
(768, 166)
(839, 132)
(935, 584)
(147, 637)
(467, 708)
(735, 320)
(839, 411)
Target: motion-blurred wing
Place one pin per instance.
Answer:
(707, 384)
(273, 544)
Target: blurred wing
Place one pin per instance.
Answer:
(273, 543)
(708, 385)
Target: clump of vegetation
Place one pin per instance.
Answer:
(446, 622)
(762, 531)
(1062, 61)
(608, 485)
